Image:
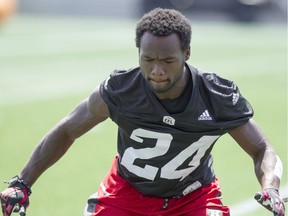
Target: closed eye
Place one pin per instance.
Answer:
(169, 61)
(166, 60)
(147, 59)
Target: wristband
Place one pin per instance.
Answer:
(16, 180)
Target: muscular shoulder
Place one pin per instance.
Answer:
(121, 86)
(119, 80)
(96, 104)
(216, 86)
(223, 97)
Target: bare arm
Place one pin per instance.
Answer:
(267, 165)
(54, 145)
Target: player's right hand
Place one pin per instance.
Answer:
(15, 197)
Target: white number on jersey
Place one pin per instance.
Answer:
(163, 142)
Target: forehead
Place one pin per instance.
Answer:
(159, 45)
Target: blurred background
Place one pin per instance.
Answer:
(237, 10)
(53, 54)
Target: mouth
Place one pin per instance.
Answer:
(158, 81)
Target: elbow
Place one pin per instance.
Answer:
(263, 148)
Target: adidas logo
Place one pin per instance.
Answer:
(205, 116)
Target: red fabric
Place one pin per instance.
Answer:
(117, 197)
(25, 192)
(265, 195)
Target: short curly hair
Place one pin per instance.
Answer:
(164, 22)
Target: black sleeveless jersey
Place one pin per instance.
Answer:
(168, 155)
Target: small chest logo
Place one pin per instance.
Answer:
(168, 120)
(205, 116)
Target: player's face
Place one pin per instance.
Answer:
(162, 63)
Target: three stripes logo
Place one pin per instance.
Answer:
(205, 116)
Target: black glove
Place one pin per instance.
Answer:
(15, 198)
(271, 200)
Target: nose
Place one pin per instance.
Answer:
(157, 70)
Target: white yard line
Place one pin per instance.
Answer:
(33, 87)
(250, 205)
(34, 94)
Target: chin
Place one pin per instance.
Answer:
(159, 90)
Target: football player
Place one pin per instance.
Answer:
(169, 116)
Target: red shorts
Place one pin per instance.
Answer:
(117, 197)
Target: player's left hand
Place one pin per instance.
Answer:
(271, 200)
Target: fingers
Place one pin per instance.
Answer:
(22, 211)
(272, 201)
(10, 200)
(7, 209)
(264, 201)
(15, 198)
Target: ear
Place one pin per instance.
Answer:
(187, 53)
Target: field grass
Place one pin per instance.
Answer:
(48, 65)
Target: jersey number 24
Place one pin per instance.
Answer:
(163, 142)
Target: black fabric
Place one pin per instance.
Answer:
(178, 104)
(167, 154)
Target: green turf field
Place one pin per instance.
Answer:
(48, 65)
